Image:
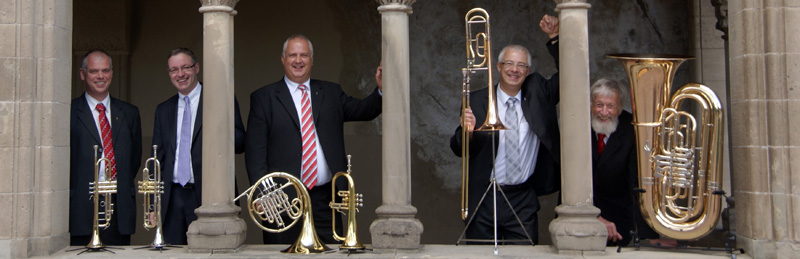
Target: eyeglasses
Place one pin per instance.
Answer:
(175, 70)
(509, 64)
(599, 105)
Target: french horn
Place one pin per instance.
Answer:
(268, 204)
(679, 154)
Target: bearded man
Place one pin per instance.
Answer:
(613, 160)
(614, 174)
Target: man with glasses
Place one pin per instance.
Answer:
(527, 152)
(178, 133)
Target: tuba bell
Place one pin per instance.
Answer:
(479, 58)
(351, 201)
(679, 156)
(105, 188)
(269, 205)
(152, 188)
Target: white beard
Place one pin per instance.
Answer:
(605, 127)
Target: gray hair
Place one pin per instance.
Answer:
(518, 48)
(286, 43)
(606, 87)
(85, 64)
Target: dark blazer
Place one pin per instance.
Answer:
(614, 175)
(539, 99)
(274, 142)
(165, 135)
(126, 132)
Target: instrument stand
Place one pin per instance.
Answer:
(158, 247)
(92, 250)
(726, 226)
(493, 185)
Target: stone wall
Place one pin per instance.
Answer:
(34, 133)
(346, 37)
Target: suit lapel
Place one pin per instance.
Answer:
(87, 119)
(172, 124)
(285, 98)
(117, 118)
(198, 121)
(316, 96)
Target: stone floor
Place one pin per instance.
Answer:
(426, 251)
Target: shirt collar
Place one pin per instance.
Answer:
(293, 86)
(194, 93)
(93, 102)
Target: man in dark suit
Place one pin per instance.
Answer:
(613, 160)
(614, 168)
(284, 112)
(527, 158)
(171, 126)
(93, 114)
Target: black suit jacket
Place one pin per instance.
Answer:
(539, 99)
(126, 132)
(614, 175)
(275, 139)
(165, 135)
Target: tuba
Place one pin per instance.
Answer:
(479, 48)
(351, 201)
(152, 188)
(679, 156)
(271, 209)
(105, 188)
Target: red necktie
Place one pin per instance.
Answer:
(108, 146)
(600, 143)
(309, 170)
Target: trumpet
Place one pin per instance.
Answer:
(479, 48)
(105, 188)
(152, 188)
(351, 201)
(267, 202)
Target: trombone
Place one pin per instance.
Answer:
(478, 48)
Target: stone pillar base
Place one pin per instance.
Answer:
(218, 228)
(396, 228)
(762, 248)
(577, 231)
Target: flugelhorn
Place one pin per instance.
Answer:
(152, 188)
(268, 205)
(351, 201)
(479, 58)
(679, 156)
(105, 188)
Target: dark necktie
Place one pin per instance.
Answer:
(600, 143)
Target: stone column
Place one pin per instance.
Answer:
(765, 142)
(218, 226)
(576, 230)
(396, 227)
(35, 53)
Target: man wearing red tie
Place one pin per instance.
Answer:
(114, 126)
(296, 126)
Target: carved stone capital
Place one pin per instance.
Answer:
(570, 1)
(218, 6)
(395, 5)
(721, 12)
